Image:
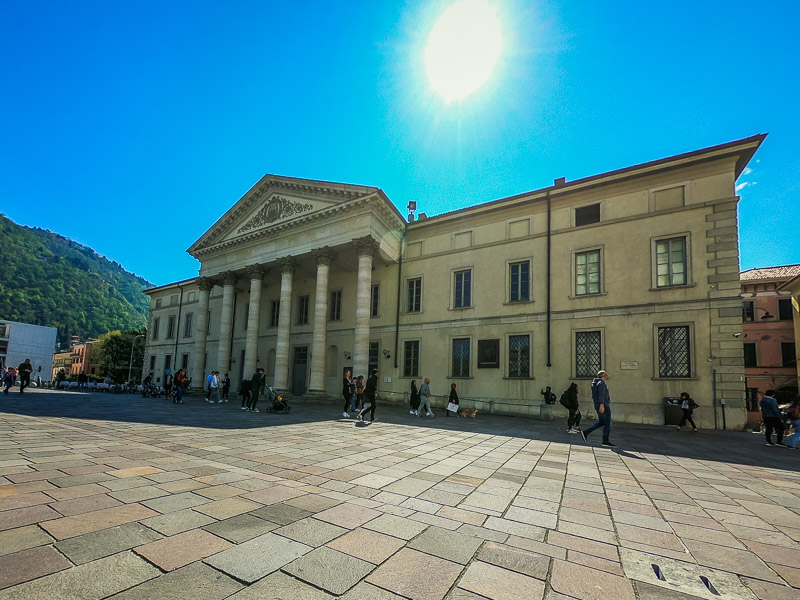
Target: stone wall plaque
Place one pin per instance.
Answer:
(629, 365)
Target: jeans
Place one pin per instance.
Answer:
(24, 381)
(795, 437)
(604, 421)
(179, 393)
(369, 406)
(574, 419)
(687, 416)
(775, 423)
(349, 401)
(425, 403)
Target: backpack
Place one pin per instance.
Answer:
(564, 400)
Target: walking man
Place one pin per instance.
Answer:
(370, 397)
(226, 387)
(773, 419)
(425, 398)
(256, 387)
(25, 375)
(569, 399)
(602, 404)
(347, 393)
(213, 387)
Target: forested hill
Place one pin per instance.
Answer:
(47, 279)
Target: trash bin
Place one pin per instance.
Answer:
(672, 410)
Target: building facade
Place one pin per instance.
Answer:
(81, 355)
(770, 360)
(19, 341)
(633, 271)
(61, 360)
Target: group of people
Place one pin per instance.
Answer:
(10, 375)
(360, 396)
(774, 419)
(217, 388)
(421, 400)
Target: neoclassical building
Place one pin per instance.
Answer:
(635, 271)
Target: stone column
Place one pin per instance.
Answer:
(284, 325)
(256, 273)
(318, 340)
(225, 324)
(198, 374)
(365, 247)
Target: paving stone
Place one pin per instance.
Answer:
(531, 517)
(138, 494)
(740, 562)
(227, 508)
(98, 544)
(397, 527)
(771, 591)
(779, 555)
(348, 515)
(74, 480)
(67, 527)
(483, 533)
(607, 551)
(367, 591)
(649, 536)
(589, 584)
(78, 506)
(515, 559)
(181, 485)
(22, 538)
(220, 492)
(178, 522)
(416, 575)
(256, 558)
(176, 502)
(652, 592)
(280, 586)
(367, 545)
(594, 562)
(274, 494)
(241, 528)
(19, 517)
(78, 491)
(515, 528)
(196, 581)
(30, 564)
(281, 513)
(450, 545)
(537, 547)
(790, 574)
(500, 584)
(330, 570)
(312, 503)
(180, 550)
(24, 500)
(134, 472)
(91, 581)
(311, 531)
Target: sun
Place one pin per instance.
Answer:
(463, 49)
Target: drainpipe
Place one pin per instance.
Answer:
(549, 231)
(399, 289)
(177, 329)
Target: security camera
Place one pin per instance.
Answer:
(736, 335)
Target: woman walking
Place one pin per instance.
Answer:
(687, 406)
(180, 381)
(347, 393)
(414, 397)
(370, 397)
(571, 404)
(453, 399)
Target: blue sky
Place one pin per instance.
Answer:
(122, 122)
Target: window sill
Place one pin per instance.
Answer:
(531, 378)
(574, 297)
(675, 379)
(460, 377)
(516, 302)
(673, 287)
(461, 307)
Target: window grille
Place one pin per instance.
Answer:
(302, 310)
(587, 353)
(461, 357)
(673, 352)
(411, 362)
(274, 313)
(519, 356)
(374, 300)
(336, 306)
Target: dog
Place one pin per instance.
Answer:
(469, 412)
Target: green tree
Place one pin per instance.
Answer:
(113, 351)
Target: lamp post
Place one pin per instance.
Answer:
(767, 316)
(130, 364)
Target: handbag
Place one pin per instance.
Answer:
(452, 407)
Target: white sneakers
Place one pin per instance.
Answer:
(345, 415)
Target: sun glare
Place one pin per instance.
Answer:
(463, 48)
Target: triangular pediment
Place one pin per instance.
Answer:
(273, 203)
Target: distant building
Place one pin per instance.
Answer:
(62, 360)
(81, 359)
(768, 340)
(19, 341)
(634, 271)
(792, 287)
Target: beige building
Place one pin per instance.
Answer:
(635, 271)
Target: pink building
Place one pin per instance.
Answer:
(768, 334)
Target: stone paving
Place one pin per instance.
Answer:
(136, 498)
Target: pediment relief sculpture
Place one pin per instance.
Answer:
(275, 209)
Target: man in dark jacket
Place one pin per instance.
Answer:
(24, 371)
(347, 393)
(370, 396)
(256, 386)
(570, 402)
(602, 404)
(773, 418)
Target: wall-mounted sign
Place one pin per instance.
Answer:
(629, 365)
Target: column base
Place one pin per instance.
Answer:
(318, 395)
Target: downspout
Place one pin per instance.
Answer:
(178, 328)
(399, 289)
(549, 315)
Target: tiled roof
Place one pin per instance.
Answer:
(784, 272)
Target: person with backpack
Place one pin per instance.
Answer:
(548, 395)
(687, 406)
(8, 379)
(569, 400)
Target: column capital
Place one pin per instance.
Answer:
(323, 256)
(366, 246)
(256, 272)
(205, 284)
(286, 264)
(229, 278)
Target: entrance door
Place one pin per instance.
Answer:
(299, 366)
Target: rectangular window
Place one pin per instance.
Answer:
(173, 299)
(750, 359)
(587, 273)
(411, 359)
(674, 359)
(168, 362)
(335, 313)
(415, 295)
(191, 297)
(588, 353)
(461, 357)
(671, 262)
(302, 310)
(274, 312)
(152, 363)
(519, 356)
(748, 311)
(184, 361)
(788, 358)
(158, 302)
(374, 349)
(519, 276)
(156, 323)
(785, 309)
(586, 215)
(374, 300)
(187, 325)
(463, 288)
(171, 327)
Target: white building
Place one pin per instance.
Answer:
(19, 341)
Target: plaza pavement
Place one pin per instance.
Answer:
(135, 498)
